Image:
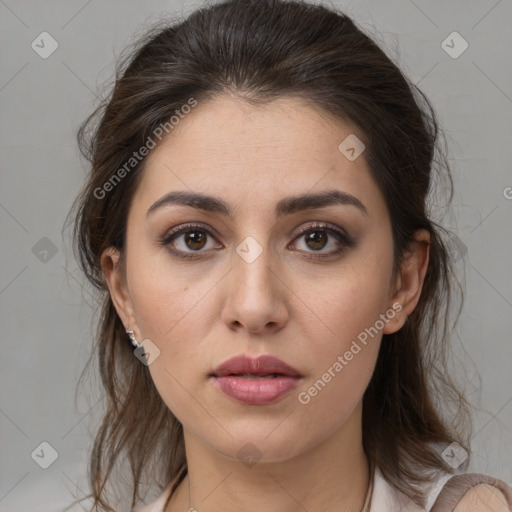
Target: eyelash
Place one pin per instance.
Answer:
(339, 234)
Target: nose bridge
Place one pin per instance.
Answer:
(254, 296)
(254, 265)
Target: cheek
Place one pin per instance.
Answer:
(165, 300)
(167, 311)
(347, 304)
(341, 369)
(173, 310)
(345, 339)
(342, 363)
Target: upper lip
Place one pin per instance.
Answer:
(262, 365)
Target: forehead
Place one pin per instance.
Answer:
(252, 155)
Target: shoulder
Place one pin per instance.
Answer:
(483, 498)
(473, 492)
(446, 492)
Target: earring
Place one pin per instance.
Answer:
(135, 343)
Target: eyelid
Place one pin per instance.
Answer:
(187, 227)
(327, 227)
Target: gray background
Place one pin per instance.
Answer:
(46, 309)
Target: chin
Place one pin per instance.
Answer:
(260, 445)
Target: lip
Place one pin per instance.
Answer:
(231, 378)
(262, 365)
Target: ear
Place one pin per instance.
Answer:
(116, 281)
(409, 281)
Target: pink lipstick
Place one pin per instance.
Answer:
(259, 381)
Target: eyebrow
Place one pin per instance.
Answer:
(285, 206)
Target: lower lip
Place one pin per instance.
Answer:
(256, 391)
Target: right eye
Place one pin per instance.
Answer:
(186, 240)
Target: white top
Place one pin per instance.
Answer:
(385, 498)
(390, 499)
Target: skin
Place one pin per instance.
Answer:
(305, 311)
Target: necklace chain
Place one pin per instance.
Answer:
(367, 501)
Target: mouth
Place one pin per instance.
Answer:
(258, 381)
(262, 367)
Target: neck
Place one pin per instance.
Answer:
(332, 476)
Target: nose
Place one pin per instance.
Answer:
(256, 296)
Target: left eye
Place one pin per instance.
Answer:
(315, 238)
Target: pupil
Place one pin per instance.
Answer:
(196, 240)
(316, 238)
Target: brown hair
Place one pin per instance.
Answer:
(261, 50)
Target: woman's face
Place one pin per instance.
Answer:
(249, 283)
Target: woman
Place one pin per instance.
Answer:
(276, 296)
